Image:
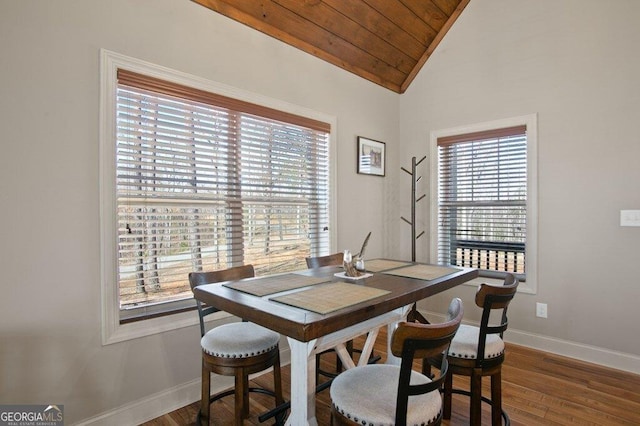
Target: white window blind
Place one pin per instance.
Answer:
(482, 201)
(206, 182)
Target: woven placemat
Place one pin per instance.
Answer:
(275, 284)
(423, 272)
(377, 265)
(327, 298)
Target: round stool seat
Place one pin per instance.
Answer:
(465, 344)
(239, 340)
(374, 403)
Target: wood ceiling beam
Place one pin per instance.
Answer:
(269, 18)
(384, 41)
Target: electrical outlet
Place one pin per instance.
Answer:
(541, 310)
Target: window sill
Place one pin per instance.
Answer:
(134, 330)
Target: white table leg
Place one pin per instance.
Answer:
(347, 361)
(342, 352)
(303, 384)
(368, 347)
(391, 359)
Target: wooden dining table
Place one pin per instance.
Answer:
(317, 310)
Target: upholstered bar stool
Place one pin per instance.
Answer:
(388, 395)
(236, 349)
(479, 351)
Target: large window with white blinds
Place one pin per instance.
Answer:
(206, 182)
(482, 200)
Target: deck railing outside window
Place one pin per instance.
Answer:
(482, 201)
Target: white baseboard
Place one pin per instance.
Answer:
(580, 351)
(164, 402)
(150, 407)
(588, 353)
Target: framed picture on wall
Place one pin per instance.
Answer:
(371, 156)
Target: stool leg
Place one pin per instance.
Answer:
(239, 397)
(206, 391)
(245, 395)
(496, 399)
(277, 389)
(448, 386)
(277, 380)
(317, 367)
(475, 412)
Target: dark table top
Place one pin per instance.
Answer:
(304, 325)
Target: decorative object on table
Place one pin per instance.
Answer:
(354, 265)
(343, 275)
(358, 260)
(414, 315)
(371, 157)
(348, 265)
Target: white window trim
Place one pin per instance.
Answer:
(531, 122)
(112, 330)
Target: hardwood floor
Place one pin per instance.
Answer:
(538, 389)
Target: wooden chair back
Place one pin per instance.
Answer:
(199, 278)
(423, 341)
(491, 298)
(328, 260)
(500, 295)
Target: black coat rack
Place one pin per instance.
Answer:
(414, 315)
(414, 201)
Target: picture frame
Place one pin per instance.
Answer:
(371, 156)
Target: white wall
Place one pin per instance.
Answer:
(575, 63)
(50, 346)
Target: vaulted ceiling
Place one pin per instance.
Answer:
(384, 41)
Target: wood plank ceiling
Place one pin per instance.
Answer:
(383, 41)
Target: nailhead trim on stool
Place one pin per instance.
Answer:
(239, 340)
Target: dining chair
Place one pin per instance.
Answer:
(334, 259)
(385, 394)
(478, 351)
(235, 349)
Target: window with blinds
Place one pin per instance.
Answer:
(206, 182)
(482, 201)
